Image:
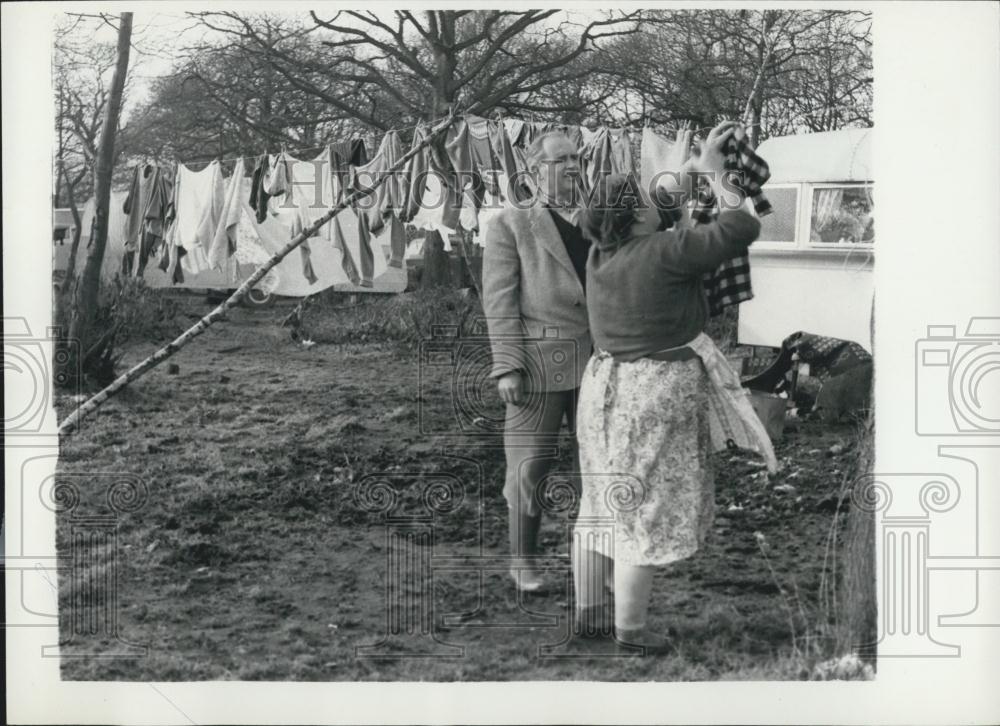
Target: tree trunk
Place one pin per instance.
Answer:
(475, 271)
(857, 604)
(77, 232)
(87, 290)
(755, 99)
(436, 262)
(445, 62)
(753, 128)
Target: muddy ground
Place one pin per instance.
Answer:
(283, 486)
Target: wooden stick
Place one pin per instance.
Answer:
(90, 405)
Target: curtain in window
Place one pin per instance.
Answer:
(826, 203)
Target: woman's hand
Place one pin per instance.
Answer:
(711, 156)
(711, 164)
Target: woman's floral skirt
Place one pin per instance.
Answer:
(647, 486)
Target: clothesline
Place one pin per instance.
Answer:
(412, 127)
(307, 148)
(694, 131)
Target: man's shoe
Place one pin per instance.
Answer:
(527, 579)
(523, 530)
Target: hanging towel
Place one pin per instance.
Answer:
(224, 240)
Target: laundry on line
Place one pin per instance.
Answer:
(198, 220)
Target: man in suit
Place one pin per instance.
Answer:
(534, 268)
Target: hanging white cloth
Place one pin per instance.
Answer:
(311, 193)
(199, 197)
(225, 239)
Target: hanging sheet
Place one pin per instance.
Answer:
(199, 197)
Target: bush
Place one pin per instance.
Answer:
(139, 312)
(127, 311)
(404, 318)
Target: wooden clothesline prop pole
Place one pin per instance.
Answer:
(90, 405)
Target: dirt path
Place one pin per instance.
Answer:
(255, 555)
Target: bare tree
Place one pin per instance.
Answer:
(778, 70)
(81, 95)
(391, 69)
(85, 302)
(222, 98)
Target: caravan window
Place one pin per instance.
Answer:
(779, 226)
(842, 214)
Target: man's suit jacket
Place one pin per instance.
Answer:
(534, 301)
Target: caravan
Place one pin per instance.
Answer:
(813, 263)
